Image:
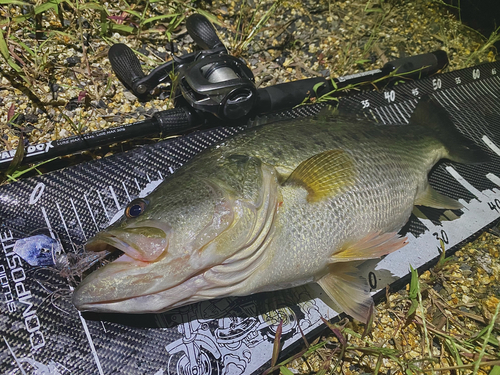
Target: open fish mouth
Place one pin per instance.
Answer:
(111, 247)
(146, 242)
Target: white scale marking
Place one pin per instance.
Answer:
(91, 213)
(494, 82)
(490, 176)
(491, 85)
(411, 107)
(159, 174)
(466, 89)
(102, 204)
(387, 114)
(14, 355)
(115, 198)
(126, 191)
(91, 342)
(458, 94)
(486, 98)
(487, 89)
(407, 114)
(171, 170)
(493, 178)
(379, 116)
(137, 184)
(462, 181)
(78, 218)
(449, 101)
(374, 118)
(401, 113)
(44, 213)
(147, 176)
(65, 226)
(491, 145)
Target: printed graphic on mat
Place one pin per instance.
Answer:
(45, 221)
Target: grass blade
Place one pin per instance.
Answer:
(276, 345)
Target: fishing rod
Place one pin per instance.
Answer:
(213, 88)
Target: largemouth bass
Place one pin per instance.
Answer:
(273, 207)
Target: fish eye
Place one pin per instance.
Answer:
(136, 208)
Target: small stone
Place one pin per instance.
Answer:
(73, 60)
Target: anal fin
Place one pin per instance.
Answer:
(349, 292)
(373, 245)
(432, 198)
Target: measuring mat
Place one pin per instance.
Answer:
(45, 219)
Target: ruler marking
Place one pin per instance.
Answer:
(78, 218)
(91, 343)
(466, 89)
(115, 198)
(459, 94)
(466, 125)
(466, 184)
(411, 107)
(493, 178)
(126, 191)
(487, 89)
(407, 114)
(44, 213)
(65, 226)
(426, 222)
(387, 112)
(485, 98)
(137, 184)
(102, 203)
(391, 114)
(490, 84)
(14, 355)
(401, 113)
(494, 82)
(374, 118)
(491, 144)
(380, 117)
(91, 213)
(387, 117)
(449, 101)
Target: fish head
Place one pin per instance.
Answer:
(169, 240)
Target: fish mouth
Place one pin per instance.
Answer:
(130, 254)
(145, 242)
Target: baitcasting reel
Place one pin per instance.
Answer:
(209, 81)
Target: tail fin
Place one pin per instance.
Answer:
(434, 117)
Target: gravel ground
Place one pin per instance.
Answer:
(64, 85)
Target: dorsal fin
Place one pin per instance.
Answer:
(325, 174)
(432, 116)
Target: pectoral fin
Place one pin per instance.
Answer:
(431, 198)
(325, 174)
(374, 245)
(349, 292)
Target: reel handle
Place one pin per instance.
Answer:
(127, 68)
(203, 32)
